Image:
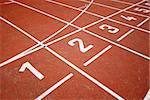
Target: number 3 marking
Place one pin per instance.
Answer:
(111, 29)
(81, 45)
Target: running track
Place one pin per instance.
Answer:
(74, 50)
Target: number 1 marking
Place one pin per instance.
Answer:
(32, 69)
(81, 45)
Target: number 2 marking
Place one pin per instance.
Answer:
(28, 66)
(81, 45)
(111, 29)
(128, 18)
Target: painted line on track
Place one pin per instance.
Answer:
(58, 84)
(73, 66)
(110, 46)
(97, 15)
(48, 43)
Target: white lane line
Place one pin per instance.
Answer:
(89, 77)
(147, 96)
(95, 3)
(97, 15)
(97, 55)
(69, 34)
(119, 45)
(102, 5)
(6, 3)
(19, 56)
(82, 6)
(19, 29)
(125, 35)
(73, 20)
(110, 46)
(31, 50)
(51, 89)
(63, 37)
(10, 60)
(23, 54)
(44, 13)
(143, 22)
(129, 3)
(85, 74)
(76, 68)
(105, 49)
(134, 27)
(130, 31)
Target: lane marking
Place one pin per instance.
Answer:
(76, 68)
(95, 3)
(110, 29)
(129, 3)
(119, 45)
(73, 20)
(125, 35)
(19, 56)
(143, 22)
(110, 46)
(82, 48)
(43, 13)
(85, 74)
(147, 96)
(97, 15)
(34, 71)
(21, 30)
(102, 5)
(46, 15)
(82, 6)
(134, 27)
(10, 60)
(51, 89)
(89, 77)
(129, 18)
(97, 55)
(6, 3)
(105, 49)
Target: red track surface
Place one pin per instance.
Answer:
(116, 67)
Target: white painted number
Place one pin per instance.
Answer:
(32, 69)
(147, 4)
(111, 29)
(142, 10)
(128, 18)
(81, 45)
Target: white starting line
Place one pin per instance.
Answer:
(51, 89)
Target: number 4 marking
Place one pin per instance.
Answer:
(81, 45)
(148, 4)
(128, 18)
(28, 66)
